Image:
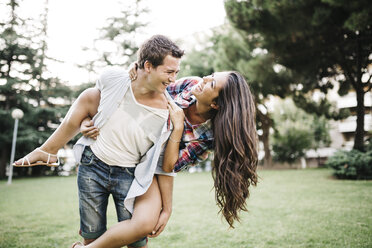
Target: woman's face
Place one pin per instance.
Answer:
(209, 88)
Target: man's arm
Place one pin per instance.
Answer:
(86, 105)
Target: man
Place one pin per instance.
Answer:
(130, 126)
(133, 122)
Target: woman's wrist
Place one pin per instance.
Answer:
(174, 140)
(167, 209)
(178, 128)
(176, 136)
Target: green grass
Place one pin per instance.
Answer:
(289, 208)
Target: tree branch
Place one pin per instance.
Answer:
(370, 84)
(369, 88)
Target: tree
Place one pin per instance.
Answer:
(297, 131)
(117, 43)
(320, 130)
(25, 84)
(321, 40)
(227, 50)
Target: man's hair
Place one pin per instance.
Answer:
(155, 49)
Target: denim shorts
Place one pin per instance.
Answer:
(96, 181)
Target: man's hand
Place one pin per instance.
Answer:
(162, 222)
(88, 129)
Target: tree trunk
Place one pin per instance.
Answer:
(359, 132)
(3, 160)
(266, 124)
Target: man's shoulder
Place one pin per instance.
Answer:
(113, 75)
(114, 72)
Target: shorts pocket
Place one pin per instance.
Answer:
(130, 170)
(87, 157)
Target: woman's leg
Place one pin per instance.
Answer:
(86, 105)
(145, 216)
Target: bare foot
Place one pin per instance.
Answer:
(35, 156)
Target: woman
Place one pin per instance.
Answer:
(219, 114)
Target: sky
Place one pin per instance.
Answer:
(73, 24)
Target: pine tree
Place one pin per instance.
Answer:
(25, 84)
(116, 45)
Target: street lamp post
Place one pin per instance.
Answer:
(16, 114)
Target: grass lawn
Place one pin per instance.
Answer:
(289, 208)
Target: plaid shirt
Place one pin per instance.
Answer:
(197, 140)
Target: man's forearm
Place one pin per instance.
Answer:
(166, 191)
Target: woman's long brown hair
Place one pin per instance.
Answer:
(235, 147)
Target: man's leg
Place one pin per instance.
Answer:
(145, 216)
(93, 177)
(86, 105)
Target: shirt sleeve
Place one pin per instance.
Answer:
(182, 85)
(110, 77)
(159, 168)
(194, 152)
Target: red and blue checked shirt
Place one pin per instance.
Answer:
(197, 140)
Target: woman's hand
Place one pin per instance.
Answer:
(162, 222)
(177, 115)
(88, 129)
(133, 71)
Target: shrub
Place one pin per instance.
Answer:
(352, 164)
(291, 144)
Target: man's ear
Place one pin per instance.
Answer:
(214, 106)
(147, 66)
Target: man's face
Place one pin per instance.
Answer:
(161, 76)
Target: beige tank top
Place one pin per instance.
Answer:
(129, 133)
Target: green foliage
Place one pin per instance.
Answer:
(199, 60)
(24, 84)
(116, 45)
(321, 107)
(320, 131)
(290, 145)
(296, 131)
(320, 41)
(352, 164)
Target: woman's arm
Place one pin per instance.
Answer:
(166, 192)
(173, 145)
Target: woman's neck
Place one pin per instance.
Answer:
(197, 113)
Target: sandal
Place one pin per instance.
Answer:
(39, 162)
(77, 243)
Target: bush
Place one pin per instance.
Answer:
(352, 164)
(290, 145)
